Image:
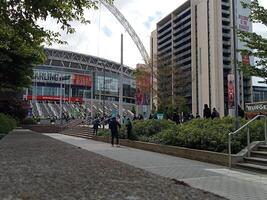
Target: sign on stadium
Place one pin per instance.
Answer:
(56, 77)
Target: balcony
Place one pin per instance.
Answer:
(164, 33)
(184, 30)
(165, 43)
(181, 22)
(182, 54)
(160, 29)
(186, 46)
(165, 46)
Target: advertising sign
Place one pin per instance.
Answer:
(254, 109)
(56, 98)
(243, 23)
(65, 78)
(231, 91)
(81, 80)
(143, 87)
(50, 77)
(245, 59)
(160, 116)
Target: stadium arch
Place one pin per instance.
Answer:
(119, 16)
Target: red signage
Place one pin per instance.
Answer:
(143, 88)
(245, 59)
(82, 80)
(231, 91)
(56, 98)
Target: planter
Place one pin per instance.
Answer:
(194, 154)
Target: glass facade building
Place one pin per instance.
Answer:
(80, 76)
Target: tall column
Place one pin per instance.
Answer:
(120, 80)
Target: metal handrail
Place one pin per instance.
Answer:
(248, 135)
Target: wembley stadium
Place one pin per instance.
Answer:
(76, 85)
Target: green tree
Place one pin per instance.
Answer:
(22, 38)
(256, 43)
(180, 104)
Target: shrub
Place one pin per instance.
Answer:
(103, 132)
(150, 127)
(203, 134)
(6, 123)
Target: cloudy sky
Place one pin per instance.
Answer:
(102, 37)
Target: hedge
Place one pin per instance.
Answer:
(7, 123)
(204, 134)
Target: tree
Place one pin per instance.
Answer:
(22, 39)
(256, 43)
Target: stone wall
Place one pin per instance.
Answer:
(43, 128)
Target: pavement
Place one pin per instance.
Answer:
(34, 166)
(231, 184)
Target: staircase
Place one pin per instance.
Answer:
(79, 131)
(257, 161)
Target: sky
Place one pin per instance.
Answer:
(101, 37)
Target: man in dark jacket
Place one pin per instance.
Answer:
(215, 114)
(113, 126)
(206, 112)
(96, 124)
(129, 127)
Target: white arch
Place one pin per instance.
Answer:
(128, 28)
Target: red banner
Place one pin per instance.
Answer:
(56, 98)
(231, 91)
(245, 59)
(82, 80)
(143, 88)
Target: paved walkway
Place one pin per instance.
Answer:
(232, 184)
(36, 167)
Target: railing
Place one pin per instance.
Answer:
(248, 135)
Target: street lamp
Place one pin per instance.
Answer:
(62, 78)
(104, 95)
(235, 64)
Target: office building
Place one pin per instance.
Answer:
(195, 55)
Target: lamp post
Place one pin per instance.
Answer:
(120, 81)
(104, 95)
(62, 78)
(235, 64)
(92, 86)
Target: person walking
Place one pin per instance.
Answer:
(129, 127)
(215, 114)
(206, 112)
(96, 124)
(113, 126)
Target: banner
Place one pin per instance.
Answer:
(55, 98)
(254, 109)
(64, 78)
(143, 87)
(231, 91)
(81, 80)
(245, 60)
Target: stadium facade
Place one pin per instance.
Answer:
(82, 84)
(195, 55)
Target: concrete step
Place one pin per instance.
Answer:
(78, 130)
(262, 148)
(255, 160)
(260, 154)
(253, 167)
(86, 136)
